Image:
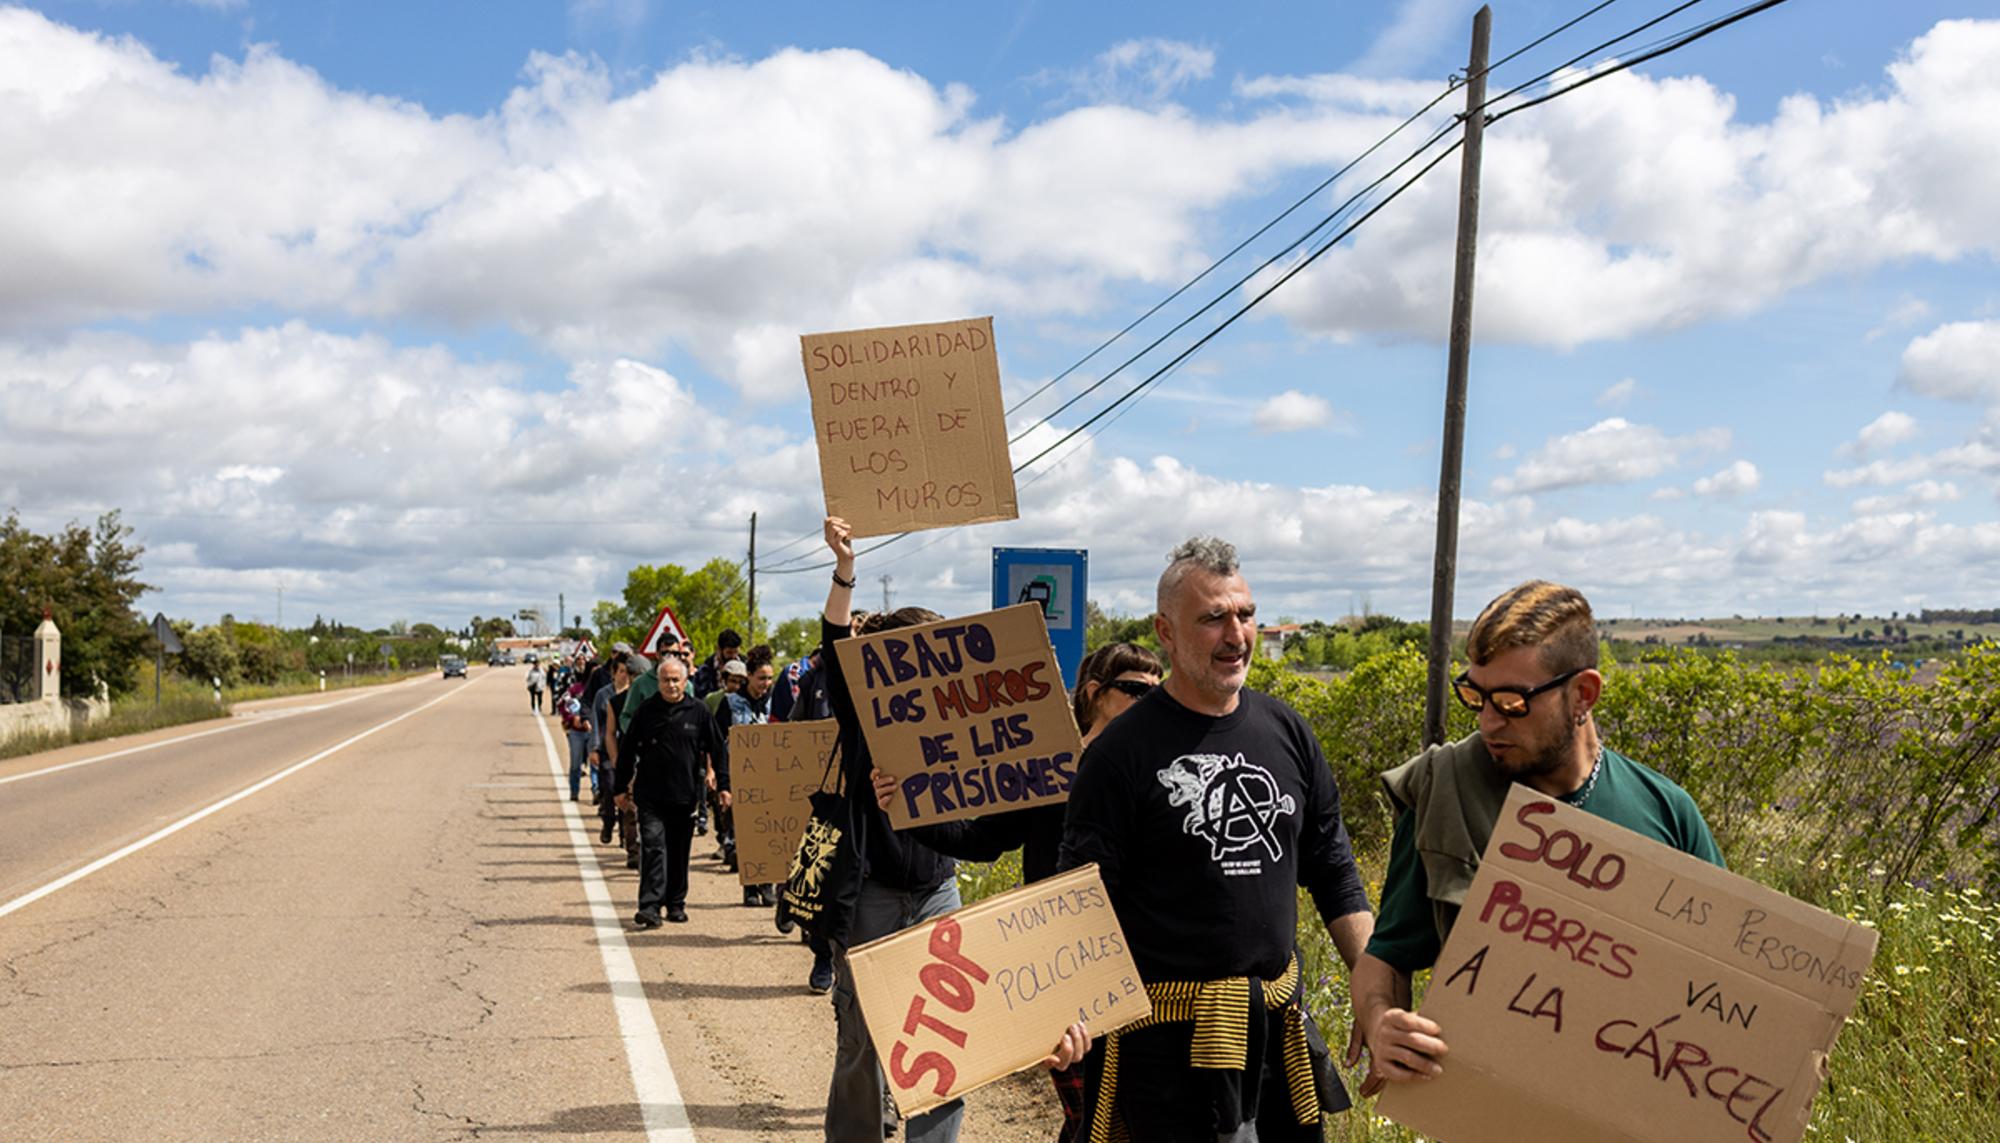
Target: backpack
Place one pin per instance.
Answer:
(572, 713)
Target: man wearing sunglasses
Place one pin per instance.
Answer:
(1533, 680)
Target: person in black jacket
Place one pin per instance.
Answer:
(903, 882)
(664, 758)
(1109, 680)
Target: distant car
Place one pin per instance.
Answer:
(530, 657)
(453, 665)
(500, 659)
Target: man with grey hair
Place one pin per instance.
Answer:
(664, 754)
(1206, 807)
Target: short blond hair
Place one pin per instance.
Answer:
(1554, 619)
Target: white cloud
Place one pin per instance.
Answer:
(1143, 71)
(381, 481)
(1398, 95)
(611, 222)
(1886, 431)
(1907, 312)
(1974, 457)
(1292, 411)
(1619, 394)
(1921, 494)
(607, 222)
(391, 477)
(1959, 361)
(1740, 477)
(1612, 451)
(1648, 204)
(1417, 30)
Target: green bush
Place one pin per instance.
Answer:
(1852, 784)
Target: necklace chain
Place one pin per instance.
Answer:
(1582, 794)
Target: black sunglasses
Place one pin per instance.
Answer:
(1509, 701)
(1132, 687)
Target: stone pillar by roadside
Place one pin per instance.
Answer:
(48, 663)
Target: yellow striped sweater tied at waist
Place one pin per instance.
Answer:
(1220, 1013)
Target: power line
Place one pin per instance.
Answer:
(1329, 219)
(1184, 354)
(1672, 44)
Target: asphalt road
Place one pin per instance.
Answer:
(377, 916)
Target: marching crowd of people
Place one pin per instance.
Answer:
(1205, 805)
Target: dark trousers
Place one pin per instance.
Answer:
(666, 831)
(1162, 1098)
(607, 807)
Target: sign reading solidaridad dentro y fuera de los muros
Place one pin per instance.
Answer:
(910, 426)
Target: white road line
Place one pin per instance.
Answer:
(236, 722)
(653, 1080)
(71, 878)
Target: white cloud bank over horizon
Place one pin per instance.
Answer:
(725, 204)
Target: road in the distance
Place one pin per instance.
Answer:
(395, 942)
(64, 808)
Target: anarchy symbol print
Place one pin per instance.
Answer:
(1232, 804)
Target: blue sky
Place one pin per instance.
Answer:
(423, 311)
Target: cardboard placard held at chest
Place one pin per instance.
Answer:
(773, 770)
(1600, 985)
(961, 1000)
(910, 426)
(968, 714)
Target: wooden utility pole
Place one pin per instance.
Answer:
(753, 577)
(1452, 464)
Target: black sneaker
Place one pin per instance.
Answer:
(645, 920)
(752, 899)
(784, 920)
(821, 980)
(604, 835)
(677, 916)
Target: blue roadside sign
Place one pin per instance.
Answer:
(1059, 580)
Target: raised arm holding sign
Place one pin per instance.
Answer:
(906, 882)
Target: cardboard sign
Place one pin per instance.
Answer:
(961, 1000)
(773, 769)
(910, 426)
(970, 714)
(1600, 985)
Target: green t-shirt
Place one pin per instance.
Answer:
(1627, 794)
(643, 688)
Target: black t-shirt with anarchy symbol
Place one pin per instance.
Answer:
(1204, 828)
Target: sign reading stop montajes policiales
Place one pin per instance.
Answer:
(1600, 985)
(961, 1000)
(969, 714)
(910, 427)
